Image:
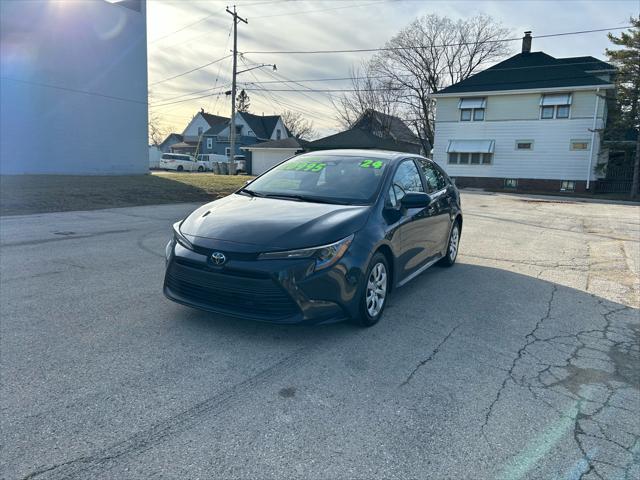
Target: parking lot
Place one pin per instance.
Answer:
(522, 361)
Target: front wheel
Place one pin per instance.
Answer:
(375, 291)
(180, 168)
(453, 246)
(201, 168)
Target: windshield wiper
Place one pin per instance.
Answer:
(251, 193)
(306, 198)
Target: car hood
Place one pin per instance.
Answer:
(246, 223)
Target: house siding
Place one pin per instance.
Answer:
(513, 117)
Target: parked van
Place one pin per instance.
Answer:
(181, 162)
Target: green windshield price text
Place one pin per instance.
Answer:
(371, 164)
(305, 166)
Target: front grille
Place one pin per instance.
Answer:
(236, 294)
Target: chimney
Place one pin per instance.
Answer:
(526, 42)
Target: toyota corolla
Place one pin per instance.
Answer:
(321, 237)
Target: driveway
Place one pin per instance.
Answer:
(522, 361)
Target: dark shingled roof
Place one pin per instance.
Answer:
(588, 64)
(534, 70)
(397, 128)
(357, 138)
(214, 120)
(262, 125)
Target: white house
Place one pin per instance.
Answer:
(265, 155)
(73, 88)
(531, 122)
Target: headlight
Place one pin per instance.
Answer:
(181, 239)
(325, 255)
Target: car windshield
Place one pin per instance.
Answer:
(323, 178)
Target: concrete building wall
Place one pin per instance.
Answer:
(73, 87)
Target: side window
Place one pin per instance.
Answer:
(406, 179)
(435, 179)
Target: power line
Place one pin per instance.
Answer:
(190, 71)
(74, 90)
(317, 11)
(384, 49)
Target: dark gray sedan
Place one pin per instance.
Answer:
(321, 237)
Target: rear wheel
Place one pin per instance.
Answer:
(201, 168)
(375, 291)
(453, 246)
(180, 168)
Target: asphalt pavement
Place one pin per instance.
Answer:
(521, 361)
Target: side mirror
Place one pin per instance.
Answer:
(415, 200)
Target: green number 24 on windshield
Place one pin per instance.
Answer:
(371, 164)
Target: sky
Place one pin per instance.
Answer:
(185, 34)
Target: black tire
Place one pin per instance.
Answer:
(180, 168)
(367, 319)
(201, 168)
(452, 253)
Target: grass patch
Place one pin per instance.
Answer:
(27, 194)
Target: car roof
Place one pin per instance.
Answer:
(382, 154)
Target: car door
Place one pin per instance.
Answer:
(412, 223)
(440, 208)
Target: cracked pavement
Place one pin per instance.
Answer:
(521, 362)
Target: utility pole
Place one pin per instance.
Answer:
(232, 126)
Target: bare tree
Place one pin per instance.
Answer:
(299, 126)
(156, 133)
(370, 92)
(429, 54)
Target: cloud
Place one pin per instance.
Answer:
(299, 26)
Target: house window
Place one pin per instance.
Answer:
(227, 151)
(465, 158)
(579, 144)
(555, 106)
(547, 112)
(478, 114)
(524, 144)
(510, 183)
(209, 143)
(199, 131)
(472, 109)
(238, 129)
(562, 111)
(568, 186)
(278, 134)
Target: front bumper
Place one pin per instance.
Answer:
(274, 291)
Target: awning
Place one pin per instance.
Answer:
(556, 99)
(471, 146)
(472, 102)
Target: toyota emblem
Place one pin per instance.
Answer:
(218, 258)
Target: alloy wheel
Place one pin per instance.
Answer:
(453, 243)
(376, 289)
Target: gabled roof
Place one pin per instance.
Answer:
(175, 136)
(397, 128)
(359, 138)
(535, 70)
(290, 142)
(262, 125)
(214, 120)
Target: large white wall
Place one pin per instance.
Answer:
(73, 89)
